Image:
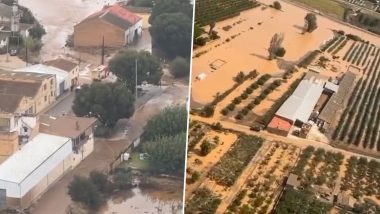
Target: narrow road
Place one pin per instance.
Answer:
(299, 142)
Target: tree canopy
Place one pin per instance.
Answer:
(171, 121)
(167, 154)
(171, 6)
(84, 191)
(123, 65)
(108, 102)
(310, 22)
(171, 33)
(180, 67)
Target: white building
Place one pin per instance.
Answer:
(62, 77)
(30, 171)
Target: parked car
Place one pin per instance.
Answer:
(13, 52)
(256, 128)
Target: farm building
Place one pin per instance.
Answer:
(120, 27)
(297, 109)
(337, 101)
(62, 77)
(30, 171)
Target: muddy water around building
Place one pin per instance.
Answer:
(58, 17)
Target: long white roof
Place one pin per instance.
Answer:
(44, 69)
(301, 103)
(22, 163)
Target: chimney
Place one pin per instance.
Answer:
(77, 127)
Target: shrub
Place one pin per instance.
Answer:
(239, 116)
(245, 111)
(206, 147)
(254, 86)
(231, 106)
(208, 111)
(249, 90)
(237, 100)
(195, 176)
(224, 111)
(257, 101)
(280, 52)
(244, 96)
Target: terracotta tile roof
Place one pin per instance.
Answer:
(280, 124)
(62, 64)
(115, 15)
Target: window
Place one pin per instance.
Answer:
(45, 98)
(45, 86)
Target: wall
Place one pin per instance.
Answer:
(87, 149)
(87, 34)
(131, 31)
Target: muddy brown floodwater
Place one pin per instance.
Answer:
(58, 17)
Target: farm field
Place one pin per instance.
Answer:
(325, 6)
(239, 171)
(352, 176)
(359, 125)
(261, 24)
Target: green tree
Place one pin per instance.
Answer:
(123, 65)
(100, 180)
(171, 6)
(84, 191)
(108, 102)
(280, 52)
(37, 32)
(206, 147)
(171, 33)
(180, 67)
(122, 178)
(167, 154)
(169, 122)
(310, 22)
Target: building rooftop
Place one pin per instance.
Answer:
(115, 15)
(22, 163)
(11, 104)
(65, 126)
(338, 99)
(300, 104)
(61, 75)
(62, 64)
(23, 76)
(293, 180)
(279, 123)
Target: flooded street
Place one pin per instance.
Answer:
(138, 201)
(59, 17)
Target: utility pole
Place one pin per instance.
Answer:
(136, 81)
(7, 49)
(26, 51)
(102, 60)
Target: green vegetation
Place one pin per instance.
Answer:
(208, 11)
(180, 67)
(325, 6)
(300, 201)
(232, 164)
(196, 133)
(164, 140)
(107, 102)
(171, 27)
(141, 3)
(237, 201)
(170, 121)
(362, 177)
(360, 122)
(123, 65)
(203, 201)
(311, 22)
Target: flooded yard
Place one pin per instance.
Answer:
(59, 17)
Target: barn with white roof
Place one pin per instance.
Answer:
(30, 171)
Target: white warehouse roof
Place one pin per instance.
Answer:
(25, 168)
(300, 104)
(61, 75)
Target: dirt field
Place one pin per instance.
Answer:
(257, 26)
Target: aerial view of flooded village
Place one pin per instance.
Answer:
(93, 111)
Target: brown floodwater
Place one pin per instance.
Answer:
(58, 17)
(142, 201)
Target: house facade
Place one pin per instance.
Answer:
(120, 27)
(66, 65)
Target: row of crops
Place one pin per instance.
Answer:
(208, 11)
(359, 54)
(360, 123)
